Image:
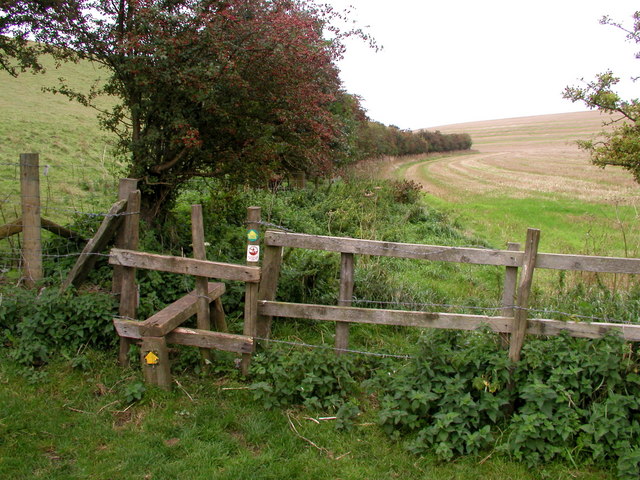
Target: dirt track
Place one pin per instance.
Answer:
(523, 157)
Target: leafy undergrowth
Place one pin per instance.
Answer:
(101, 422)
(448, 411)
(570, 400)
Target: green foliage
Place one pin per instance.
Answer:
(620, 145)
(319, 380)
(243, 88)
(449, 398)
(375, 140)
(39, 326)
(134, 392)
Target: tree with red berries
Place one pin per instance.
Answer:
(235, 89)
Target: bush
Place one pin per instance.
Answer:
(39, 325)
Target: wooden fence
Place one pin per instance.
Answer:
(261, 282)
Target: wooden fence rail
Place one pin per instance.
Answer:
(514, 320)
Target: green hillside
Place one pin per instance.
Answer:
(65, 134)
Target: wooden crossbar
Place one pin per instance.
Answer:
(477, 256)
(190, 337)
(175, 314)
(187, 266)
(499, 324)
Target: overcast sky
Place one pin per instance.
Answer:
(454, 61)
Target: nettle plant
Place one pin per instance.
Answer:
(574, 400)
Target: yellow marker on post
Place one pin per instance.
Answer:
(151, 358)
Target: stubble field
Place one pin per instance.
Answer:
(529, 172)
(528, 157)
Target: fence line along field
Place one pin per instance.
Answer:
(527, 157)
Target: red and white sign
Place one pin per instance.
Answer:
(253, 253)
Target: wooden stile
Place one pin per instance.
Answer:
(154, 356)
(346, 296)
(519, 329)
(190, 337)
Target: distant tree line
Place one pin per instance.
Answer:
(375, 139)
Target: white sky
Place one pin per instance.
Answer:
(453, 61)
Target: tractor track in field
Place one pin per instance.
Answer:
(525, 157)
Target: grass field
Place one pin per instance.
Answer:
(529, 172)
(65, 134)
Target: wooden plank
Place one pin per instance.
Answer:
(383, 317)
(536, 326)
(509, 292)
(271, 265)
(87, 258)
(30, 199)
(60, 230)
(587, 263)
(11, 228)
(539, 326)
(186, 266)
(346, 295)
(154, 356)
(476, 256)
(190, 337)
(217, 316)
(250, 325)
(519, 329)
(179, 311)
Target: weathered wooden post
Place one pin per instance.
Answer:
(299, 180)
(271, 264)
(202, 283)
(128, 287)
(126, 186)
(346, 296)
(251, 295)
(519, 327)
(509, 292)
(31, 223)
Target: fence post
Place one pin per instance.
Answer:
(251, 294)
(509, 292)
(346, 296)
(31, 223)
(202, 285)
(128, 287)
(299, 180)
(127, 185)
(271, 265)
(519, 326)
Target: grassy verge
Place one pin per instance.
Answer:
(206, 428)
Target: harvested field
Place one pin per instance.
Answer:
(526, 157)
